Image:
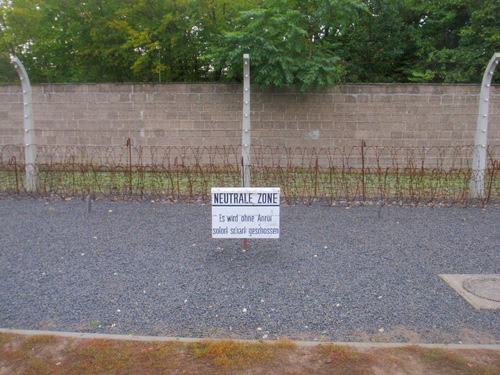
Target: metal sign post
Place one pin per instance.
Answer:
(481, 143)
(245, 137)
(30, 149)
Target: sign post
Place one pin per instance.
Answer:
(245, 137)
(245, 212)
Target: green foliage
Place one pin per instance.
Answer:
(113, 41)
(308, 44)
(379, 46)
(163, 36)
(289, 43)
(455, 39)
(65, 40)
(7, 73)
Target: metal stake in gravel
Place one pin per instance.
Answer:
(245, 137)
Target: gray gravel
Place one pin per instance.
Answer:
(335, 274)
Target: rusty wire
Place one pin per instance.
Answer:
(425, 175)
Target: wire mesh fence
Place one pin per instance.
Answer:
(340, 175)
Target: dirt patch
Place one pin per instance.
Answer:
(411, 335)
(58, 355)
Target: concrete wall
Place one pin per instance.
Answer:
(395, 115)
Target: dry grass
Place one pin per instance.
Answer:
(416, 360)
(346, 360)
(42, 355)
(455, 362)
(112, 357)
(229, 354)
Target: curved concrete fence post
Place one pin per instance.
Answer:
(30, 148)
(481, 143)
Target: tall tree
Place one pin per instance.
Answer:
(290, 42)
(307, 43)
(379, 47)
(65, 40)
(455, 39)
(114, 40)
(170, 38)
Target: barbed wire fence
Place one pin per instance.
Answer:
(333, 176)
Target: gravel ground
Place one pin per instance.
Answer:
(336, 273)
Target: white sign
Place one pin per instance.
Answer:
(245, 212)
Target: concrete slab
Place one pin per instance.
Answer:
(481, 291)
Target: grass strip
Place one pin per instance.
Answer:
(45, 354)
